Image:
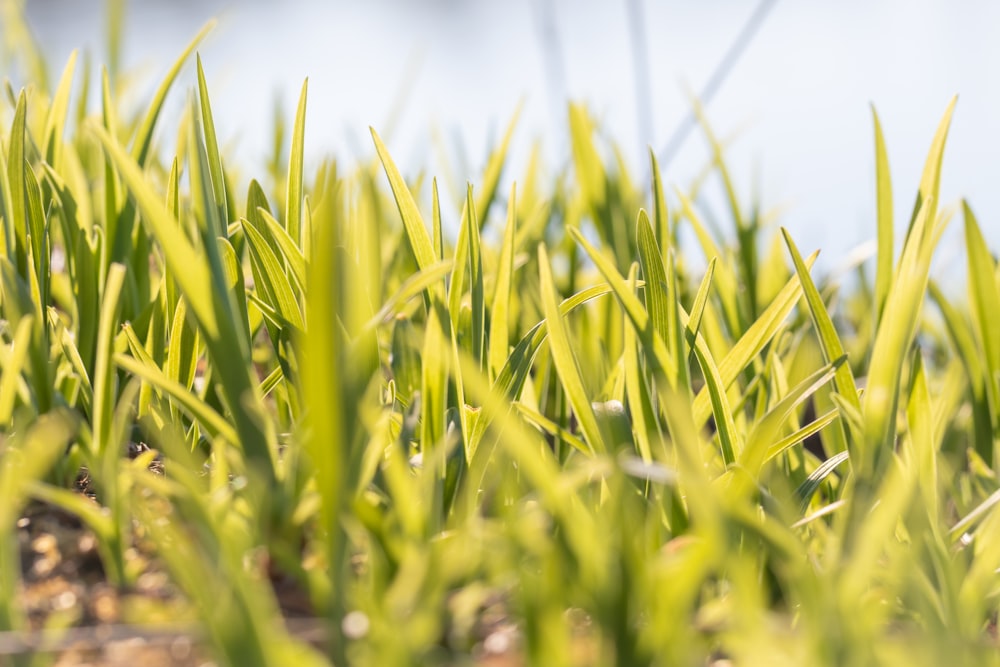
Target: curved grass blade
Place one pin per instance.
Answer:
(212, 146)
(564, 359)
(294, 194)
(985, 297)
(55, 122)
(883, 197)
(753, 340)
(500, 304)
(144, 135)
(416, 232)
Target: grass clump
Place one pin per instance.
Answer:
(551, 441)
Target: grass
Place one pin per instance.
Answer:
(552, 431)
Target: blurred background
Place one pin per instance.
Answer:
(791, 82)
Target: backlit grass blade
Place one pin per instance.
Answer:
(657, 299)
(104, 390)
(818, 476)
(285, 247)
(477, 293)
(500, 304)
(661, 217)
(411, 287)
(16, 209)
(144, 135)
(921, 438)
(984, 293)
(930, 180)
(892, 343)
(960, 331)
(271, 278)
(213, 423)
(639, 402)
(494, 169)
(883, 198)
(753, 340)
(654, 345)
(14, 361)
(765, 432)
(825, 329)
(294, 192)
(564, 359)
(416, 232)
(208, 300)
(212, 145)
(55, 122)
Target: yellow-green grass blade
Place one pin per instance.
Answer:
(657, 299)
(15, 359)
(271, 279)
(38, 238)
(214, 424)
(720, 164)
(551, 428)
(753, 340)
(104, 378)
(212, 146)
(456, 282)
(55, 121)
(208, 299)
(183, 348)
(962, 338)
(661, 216)
(921, 440)
(801, 434)
(500, 304)
(416, 232)
(16, 304)
(476, 288)
(434, 384)
(829, 339)
(726, 277)
(16, 207)
(930, 179)
(144, 135)
(883, 198)
(565, 361)
(283, 246)
(494, 170)
(654, 345)
(413, 286)
(892, 343)
(636, 390)
(294, 189)
(764, 434)
(984, 293)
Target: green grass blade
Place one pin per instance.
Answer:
(564, 359)
(829, 340)
(212, 145)
(144, 135)
(416, 232)
(883, 197)
(294, 193)
(55, 123)
(500, 304)
(984, 294)
(15, 360)
(17, 211)
(494, 170)
(271, 278)
(213, 423)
